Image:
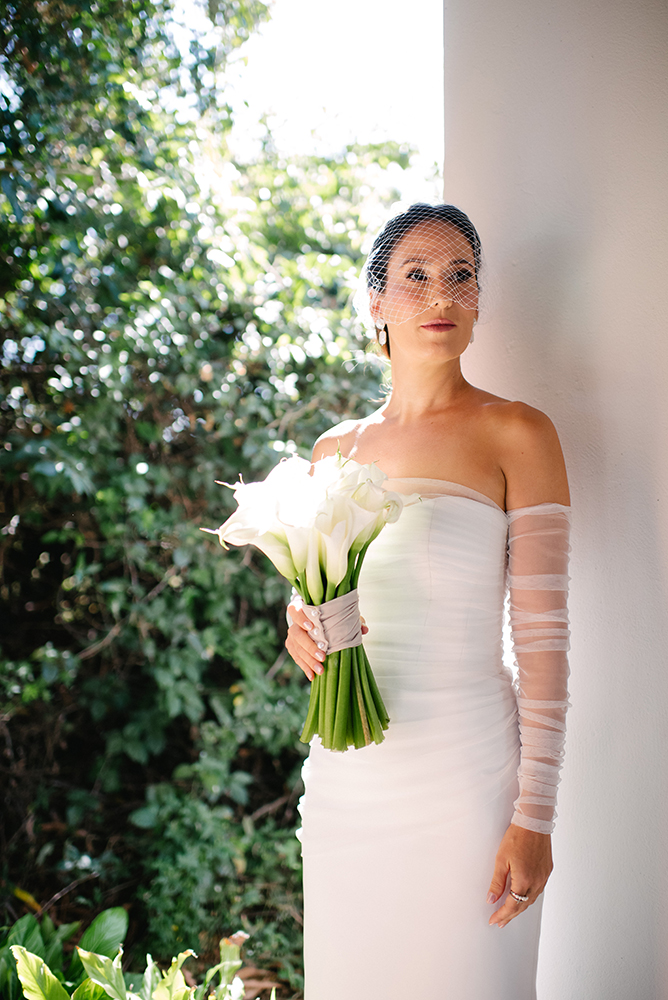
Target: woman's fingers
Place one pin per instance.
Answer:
(497, 886)
(523, 864)
(513, 907)
(307, 654)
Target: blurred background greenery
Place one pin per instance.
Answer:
(169, 317)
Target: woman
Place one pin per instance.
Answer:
(400, 840)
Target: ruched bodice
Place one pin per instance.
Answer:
(399, 839)
(438, 574)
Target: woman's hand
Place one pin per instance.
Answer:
(301, 647)
(526, 857)
(307, 654)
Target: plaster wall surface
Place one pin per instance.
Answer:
(557, 145)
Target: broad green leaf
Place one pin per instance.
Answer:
(105, 972)
(10, 987)
(7, 972)
(89, 991)
(107, 932)
(26, 932)
(47, 929)
(66, 931)
(37, 980)
(53, 954)
(104, 937)
(173, 986)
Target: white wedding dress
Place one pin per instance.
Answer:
(399, 840)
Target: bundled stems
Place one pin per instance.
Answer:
(346, 707)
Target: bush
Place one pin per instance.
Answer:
(161, 330)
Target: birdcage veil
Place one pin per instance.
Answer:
(438, 259)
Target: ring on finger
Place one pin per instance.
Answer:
(519, 897)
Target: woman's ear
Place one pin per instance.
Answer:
(375, 308)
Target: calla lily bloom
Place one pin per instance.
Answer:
(315, 523)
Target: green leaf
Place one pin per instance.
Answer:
(47, 929)
(151, 979)
(173, 986)
(230, 963)
(230, 960)
(105, 973)
(37, 980)
(89, 991)
(104, 937)
(107, 932)
(26, 932)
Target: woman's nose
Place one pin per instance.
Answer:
(441, 294)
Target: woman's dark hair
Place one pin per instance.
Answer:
(395, 230)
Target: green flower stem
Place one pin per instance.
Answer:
(375, 693)
(346, 584)
(355, 575)
(375, 727)
(356, 730)
(362, 722)
(342, 714)
(311, 724)
(331, 678)
(345, 706)
(322, 704)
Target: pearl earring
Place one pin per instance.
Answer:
(382, 335)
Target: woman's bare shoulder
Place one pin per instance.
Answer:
(517, 420)
(341, 438)
(529, 452)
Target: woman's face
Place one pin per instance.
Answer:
(431, 291)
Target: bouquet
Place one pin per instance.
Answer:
(316, 523)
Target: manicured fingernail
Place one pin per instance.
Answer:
(320, 656)
(319, 670)
(491, 898)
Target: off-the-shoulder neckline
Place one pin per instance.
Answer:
(483, 498)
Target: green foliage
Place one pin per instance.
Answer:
(169, 318)
(45, 941)
(104, 936)
(105, 977)
(37, 980)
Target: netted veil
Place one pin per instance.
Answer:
(423, 255)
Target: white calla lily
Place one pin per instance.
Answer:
(314, 522)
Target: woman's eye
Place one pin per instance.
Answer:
(463, 275)
(417, 274)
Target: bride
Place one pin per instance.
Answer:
(425, 857)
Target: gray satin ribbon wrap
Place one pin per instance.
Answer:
(336, 623)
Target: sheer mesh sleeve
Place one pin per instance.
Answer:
(538, 579)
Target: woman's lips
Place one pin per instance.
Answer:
(438, 324)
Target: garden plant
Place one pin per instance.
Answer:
(169, 317)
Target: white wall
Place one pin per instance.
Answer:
(557, 145)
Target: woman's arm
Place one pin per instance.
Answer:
(537, 498)
(531, 458)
